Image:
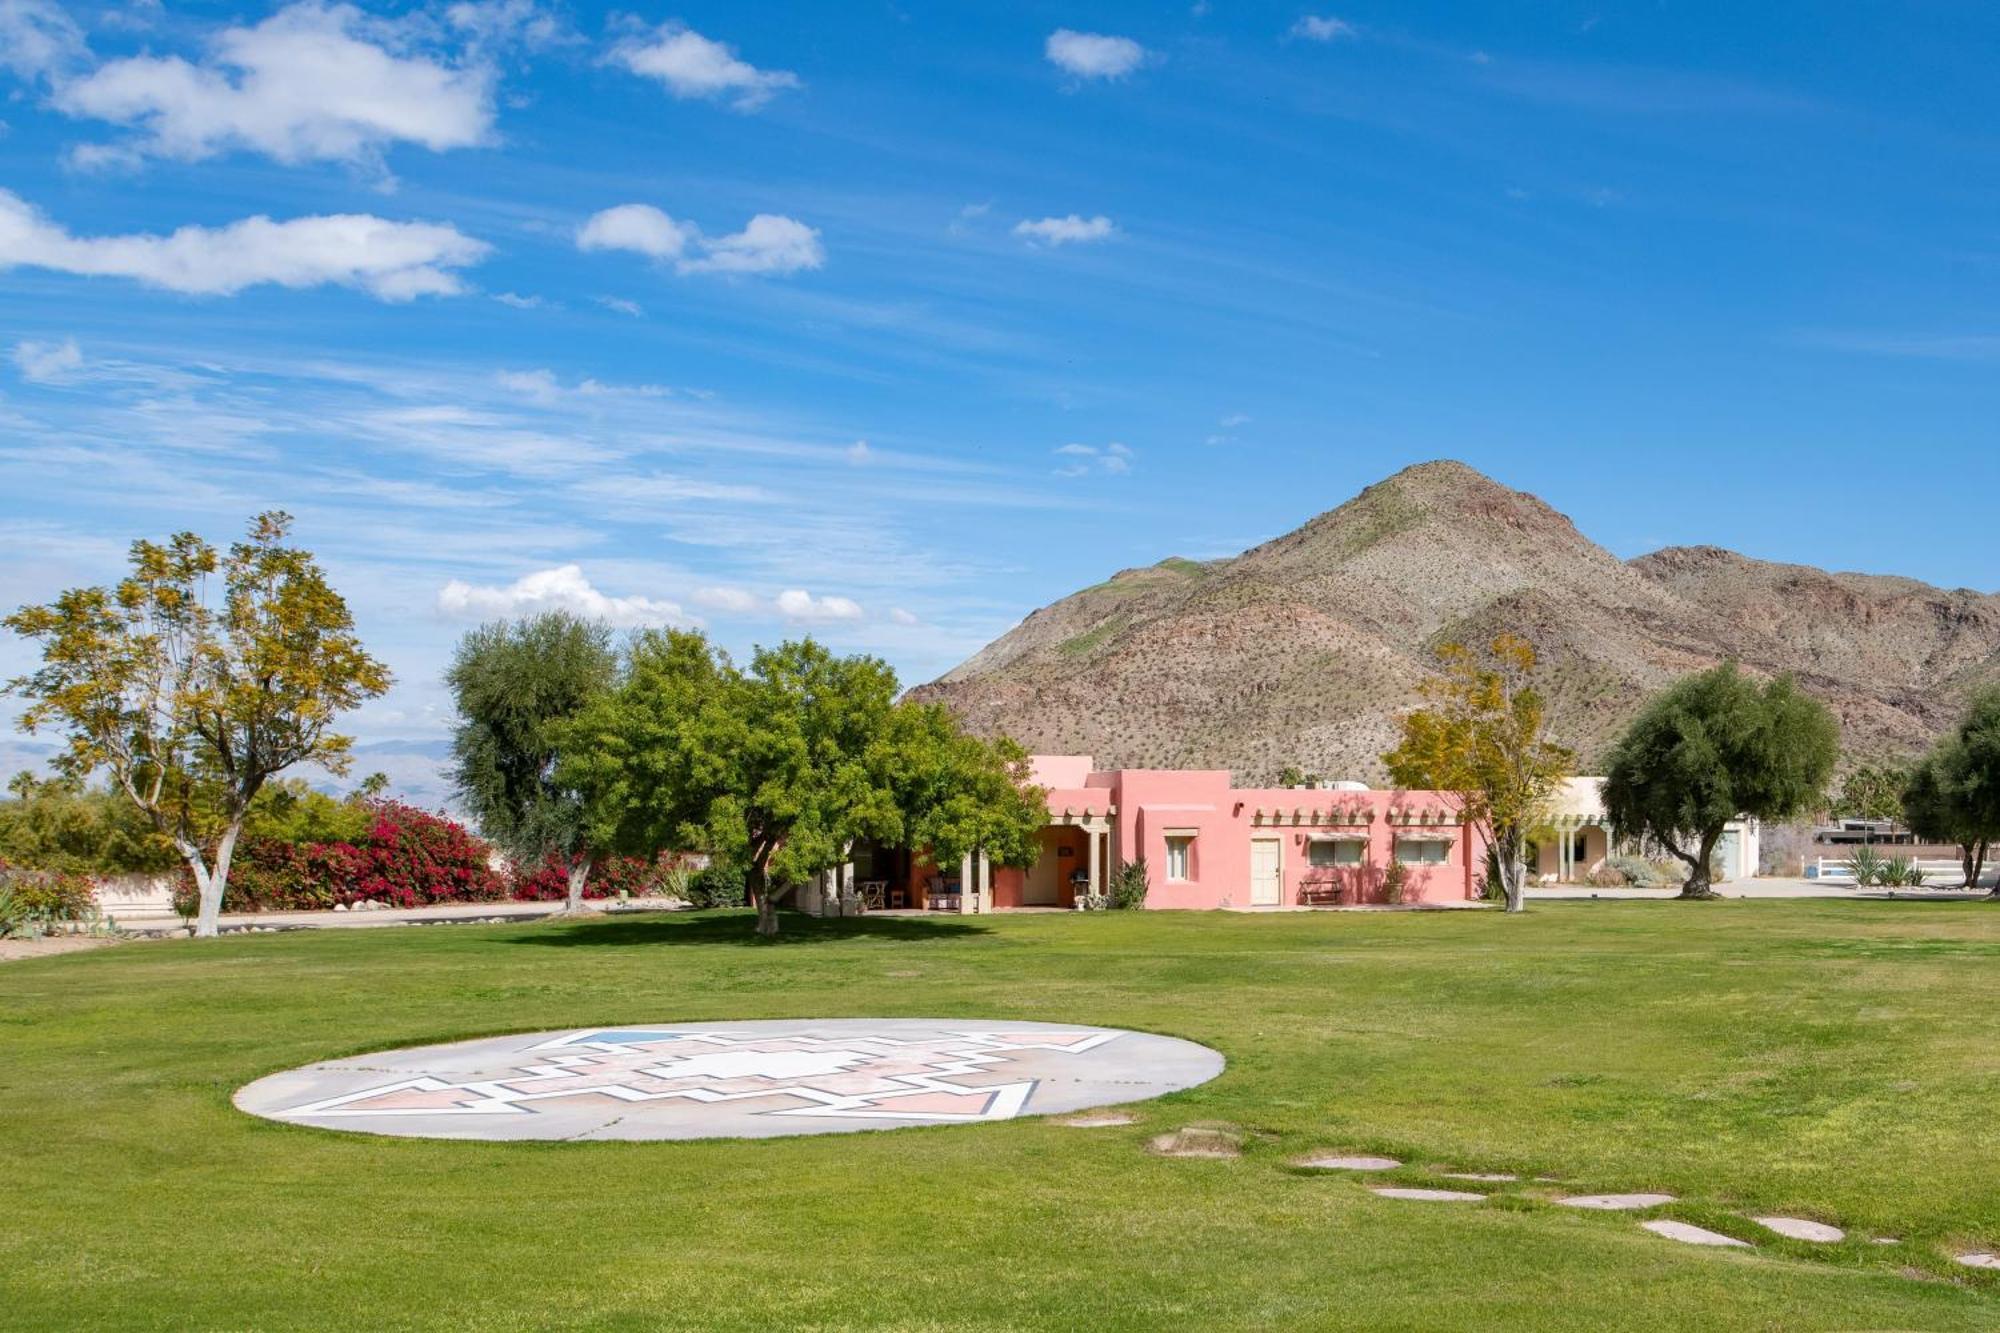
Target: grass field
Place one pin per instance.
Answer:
(1837, 1060)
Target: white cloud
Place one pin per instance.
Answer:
(563, 588)
(1314, 28)
(690, 65)
(768, 243)
(902, 617)
(1233, 420)
(858, 452)
(48, 363)
(313, 82)
(735, 601)
(1090, 55)
(640, 228)
(798, 604)
(622, 306)
(393, 261)
(1113, 459)
(1065, 230)
(518, 301)
(38, 40)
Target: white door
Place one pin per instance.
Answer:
(1728, 855)
(1267, 872)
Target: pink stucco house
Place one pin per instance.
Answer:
(1206, 844)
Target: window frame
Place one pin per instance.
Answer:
(1185, 837)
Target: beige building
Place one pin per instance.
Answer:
(1581, 839)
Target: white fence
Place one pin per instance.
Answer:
(1940, 873)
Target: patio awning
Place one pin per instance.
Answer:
(1336, 837)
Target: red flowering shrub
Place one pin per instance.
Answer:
(412, 857)
(609, 876)
(407, 858)
(33, 900)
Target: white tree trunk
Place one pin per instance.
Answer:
(210, 883)
(579, 874)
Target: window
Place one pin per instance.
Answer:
(1422, 851)
(1180, 856)
(1325, 853)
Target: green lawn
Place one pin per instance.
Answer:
(1839, 1060)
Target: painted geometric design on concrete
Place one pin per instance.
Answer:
(730, 1079)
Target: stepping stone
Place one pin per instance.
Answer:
(1885, 1240)
(1432, 1196)
(1103, 1121)
(1494, 1176)
(1352, 1163)
(1689, 1234)
(1195, 1142)
(1615, 1202)
(1980, 1260)
(1799, 1228)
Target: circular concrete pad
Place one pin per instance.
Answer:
(733, 1080)
(1980, 1260)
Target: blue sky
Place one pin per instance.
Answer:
(893, 323)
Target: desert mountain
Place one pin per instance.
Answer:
(1303, 649)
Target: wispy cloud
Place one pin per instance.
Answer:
(689, 65)
(47, 363)
(392, 261)
(1318, 28)
(1093, 55)
(1080, 460)
(564, 588)
(313, 82)
(768, 243)
(1071, 230)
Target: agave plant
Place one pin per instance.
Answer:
(1868, 866)
(1901, 872)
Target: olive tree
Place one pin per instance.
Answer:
(1713, 747)
(1953, 794)
(518, 685)
(193, 701)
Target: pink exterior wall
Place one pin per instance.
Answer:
(1223, 820)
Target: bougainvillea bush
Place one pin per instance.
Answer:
(633, 876)
(407, 858)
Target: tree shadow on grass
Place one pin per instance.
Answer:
(739, 928)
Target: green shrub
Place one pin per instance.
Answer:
(32, 901)
(1129, 883)
(718, 884)
(1395, 880)
(1637, 870)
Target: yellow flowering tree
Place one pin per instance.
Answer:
(192, 702)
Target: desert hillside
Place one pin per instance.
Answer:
(1303, 649)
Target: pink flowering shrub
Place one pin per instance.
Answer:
(609, 876)
(407, 858)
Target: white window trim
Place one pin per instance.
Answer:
(1427, 840)
(1169, 837)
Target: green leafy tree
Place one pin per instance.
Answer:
(777, 769)
(1713, 747)
(60, 824)
(519, 687)
(1953, 794)
(1872, 791)
(193, 703)
(1483, 740)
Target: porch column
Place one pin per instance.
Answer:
(1096, 882)
(966, 887)
(985, 902)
